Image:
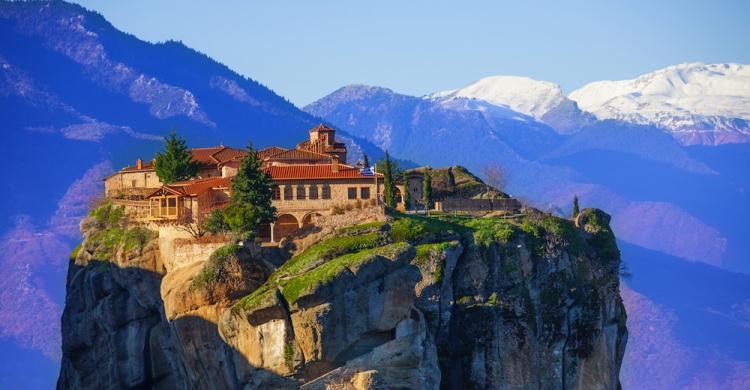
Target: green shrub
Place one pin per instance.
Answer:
(136, 238)
(216, 267)
(215, 222)
(107, 214)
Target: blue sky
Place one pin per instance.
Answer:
(307, 49)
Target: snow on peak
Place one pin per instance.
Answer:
(682, 97)
(522, 94)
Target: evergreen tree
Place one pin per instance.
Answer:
(252, 192)
(366, 161)
(389, 186)
(175, 163)
(576, 209)
(407, 194)
(427, 190)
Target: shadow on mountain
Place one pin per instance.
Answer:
(707, 301)
(116, 335)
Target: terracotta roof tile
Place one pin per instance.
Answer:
(216, 154)
(269, 151)
(297, 154)
(198, 186)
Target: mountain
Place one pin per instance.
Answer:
(699, 104)
(541, 100)
(677, 209)
(80, 99)
(373, 300)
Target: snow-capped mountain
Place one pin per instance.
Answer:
(698, 103)
(541, 100)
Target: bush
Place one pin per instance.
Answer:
(218, 267)
(241, 218)
(215, 222)
(136, 238)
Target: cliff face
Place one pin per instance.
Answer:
(411, 302)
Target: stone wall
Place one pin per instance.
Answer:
(188, 251)
(124, 181)
(178, 248)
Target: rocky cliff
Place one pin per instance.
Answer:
(402, 302)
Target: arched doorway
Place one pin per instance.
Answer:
(309, 219)
(285, 225)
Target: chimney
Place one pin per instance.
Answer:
(334, 163)
(139, 164)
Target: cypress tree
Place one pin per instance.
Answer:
(407, 193)
(427, 190)
(576, 209)
(451, 180)
(366, 161)
(175, 162)
(389, 187)
(252, 192)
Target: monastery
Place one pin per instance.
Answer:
(310, 181)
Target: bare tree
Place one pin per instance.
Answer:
(494, 176)
(193, 226)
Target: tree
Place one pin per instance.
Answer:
(427, 190)
(250, 204)
(366, 160)
(215, 222)
(494, 179)
(576, 209)
(196, 227)
(407, 193)
(389, 186)
(175, 162)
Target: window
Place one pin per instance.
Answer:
(132, 183)
(313, 192)
(300, 191)
(352, 192)
(288, 192)
(326, 191)
(276, 192)
(364, 193)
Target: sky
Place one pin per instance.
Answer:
(305, 50)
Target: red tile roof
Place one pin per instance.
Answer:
(317, 171)
(216, 154)
(198, 186)
(297, 154)
(269, 151)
